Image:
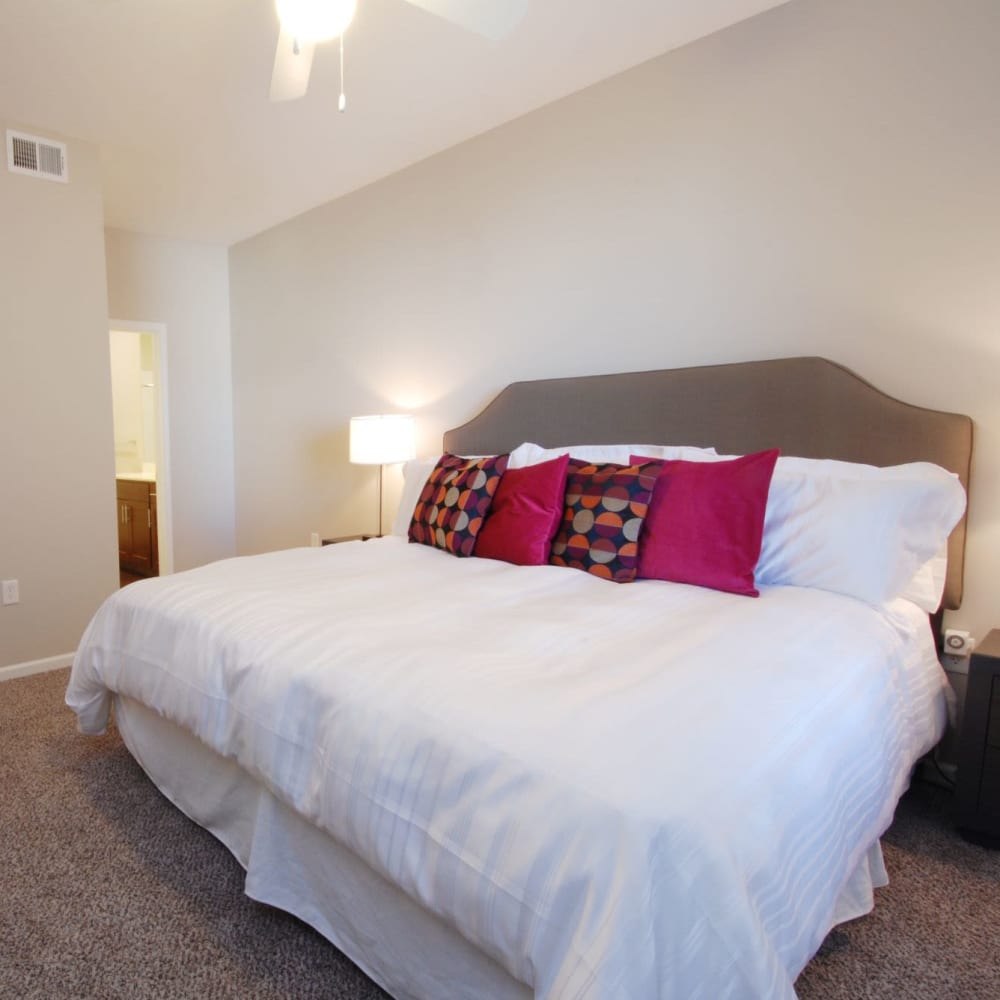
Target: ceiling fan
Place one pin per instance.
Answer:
(304, 23)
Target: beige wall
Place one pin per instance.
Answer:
(185, 287)
(820, 179)
(57, 500)
(127, 379)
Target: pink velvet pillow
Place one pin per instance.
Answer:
(706, 522)
(526, 514)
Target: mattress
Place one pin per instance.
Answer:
(650, 790)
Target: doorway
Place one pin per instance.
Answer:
(138, 358)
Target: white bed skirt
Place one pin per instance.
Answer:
(297, 867)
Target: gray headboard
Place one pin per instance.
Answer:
(809, 407)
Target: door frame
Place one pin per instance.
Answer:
(164, 503)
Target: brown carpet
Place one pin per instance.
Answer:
(107, 891)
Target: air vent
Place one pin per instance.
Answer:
(30, 154)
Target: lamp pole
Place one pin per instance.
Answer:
(380, 470)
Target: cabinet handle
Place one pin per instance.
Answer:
(125, 512)
(149, 519)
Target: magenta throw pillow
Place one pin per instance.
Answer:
(455, 501)
(526, 514)
(706, 522)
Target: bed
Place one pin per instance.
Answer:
(486, 780)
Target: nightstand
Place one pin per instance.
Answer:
(348, 538)
(977, 793)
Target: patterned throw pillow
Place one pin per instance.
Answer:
(605, 508)
(455, 499)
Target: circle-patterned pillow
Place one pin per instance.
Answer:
(605, 508)
(454, 501)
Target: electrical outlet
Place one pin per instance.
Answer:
(11, 592)
(314, 539)
(957, 642)
(955, 664)
(958, 647)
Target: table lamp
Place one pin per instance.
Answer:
(383, 439)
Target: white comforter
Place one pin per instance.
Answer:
(638, 791)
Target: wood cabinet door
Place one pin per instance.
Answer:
(154, 568)
(140, 555)
(124, 536)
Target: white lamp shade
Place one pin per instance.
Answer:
(382, 439)
(315, 20)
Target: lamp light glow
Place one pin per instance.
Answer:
(315, 20)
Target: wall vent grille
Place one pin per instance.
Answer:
(31, 154)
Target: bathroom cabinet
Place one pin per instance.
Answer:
(137, 550)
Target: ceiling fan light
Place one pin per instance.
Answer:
(315, 20)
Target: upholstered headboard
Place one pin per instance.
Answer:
(808, 407)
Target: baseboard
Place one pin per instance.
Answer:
(35, 666)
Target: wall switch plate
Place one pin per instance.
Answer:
(11, 592)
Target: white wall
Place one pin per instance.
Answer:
(821, 179)
(185, 287)
(126, 400)
(57, 494)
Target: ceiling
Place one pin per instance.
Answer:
(174, 93)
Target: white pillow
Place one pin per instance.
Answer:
(415, 473)
(926, 588)
(532, 454)
(856, 529)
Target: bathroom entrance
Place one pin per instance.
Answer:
(138, 374)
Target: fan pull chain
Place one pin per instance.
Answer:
(342, 102)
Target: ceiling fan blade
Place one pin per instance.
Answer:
(493, 19)
(290, 78)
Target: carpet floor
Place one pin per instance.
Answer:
(107, 891)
